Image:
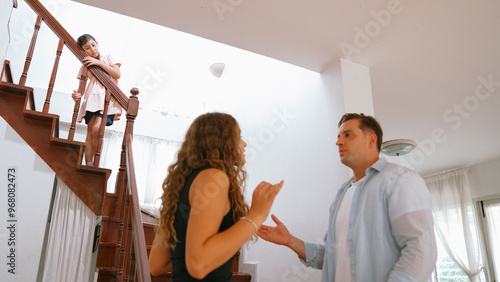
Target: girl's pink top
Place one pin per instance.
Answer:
(95, 93)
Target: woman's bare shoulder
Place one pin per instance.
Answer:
(213, 175)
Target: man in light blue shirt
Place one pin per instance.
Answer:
(380, 227)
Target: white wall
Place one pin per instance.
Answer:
(304, 154)
(34, 183)
(484, 179)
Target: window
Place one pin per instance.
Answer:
(490, 227)
(447, 270)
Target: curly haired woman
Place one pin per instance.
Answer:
(204, 218)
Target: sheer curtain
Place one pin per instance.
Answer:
(454, 219)
(152, 156)
(69, 245)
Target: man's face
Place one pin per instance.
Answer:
(353, 144)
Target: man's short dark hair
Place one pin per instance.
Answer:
(367, 124)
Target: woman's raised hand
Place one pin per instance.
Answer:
(262, 201)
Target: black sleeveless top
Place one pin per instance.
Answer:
(178, 254)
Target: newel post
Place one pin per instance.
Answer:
(121, 182)
(133, 109)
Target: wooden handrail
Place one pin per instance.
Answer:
(139, 240)
(70, 42)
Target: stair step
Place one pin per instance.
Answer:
(14, 88)
(46, 117)
(23, 91)
(37, 130)
(107, 274)
(40, 116)
(67, 143)
(93, 170)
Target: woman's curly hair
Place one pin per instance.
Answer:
(212, 141)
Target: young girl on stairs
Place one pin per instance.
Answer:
(92, 106)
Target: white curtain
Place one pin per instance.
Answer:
(152, 156)
(69, 245)
(454, 219)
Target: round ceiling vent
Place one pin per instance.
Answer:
(398, 147)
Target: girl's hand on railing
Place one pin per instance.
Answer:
(76, 96)
(89, 61)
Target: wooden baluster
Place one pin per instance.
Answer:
(97, 157)
(81, 89)
(53, 76)
(121, 180)
(22, 81)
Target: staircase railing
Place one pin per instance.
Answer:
(126, 191)
(65, 38)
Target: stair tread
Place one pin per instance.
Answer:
(40, 115)
(14, 88)
(93, 170)
(66, 142)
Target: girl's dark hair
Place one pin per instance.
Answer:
(84, 38)
(367, 124)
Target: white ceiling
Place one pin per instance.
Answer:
(426, 59)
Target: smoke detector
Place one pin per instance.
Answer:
(398, 147)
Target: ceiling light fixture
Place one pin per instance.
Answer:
(216, 69)
(398, 147)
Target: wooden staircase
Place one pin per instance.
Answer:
(41, 132)
(124, 239)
